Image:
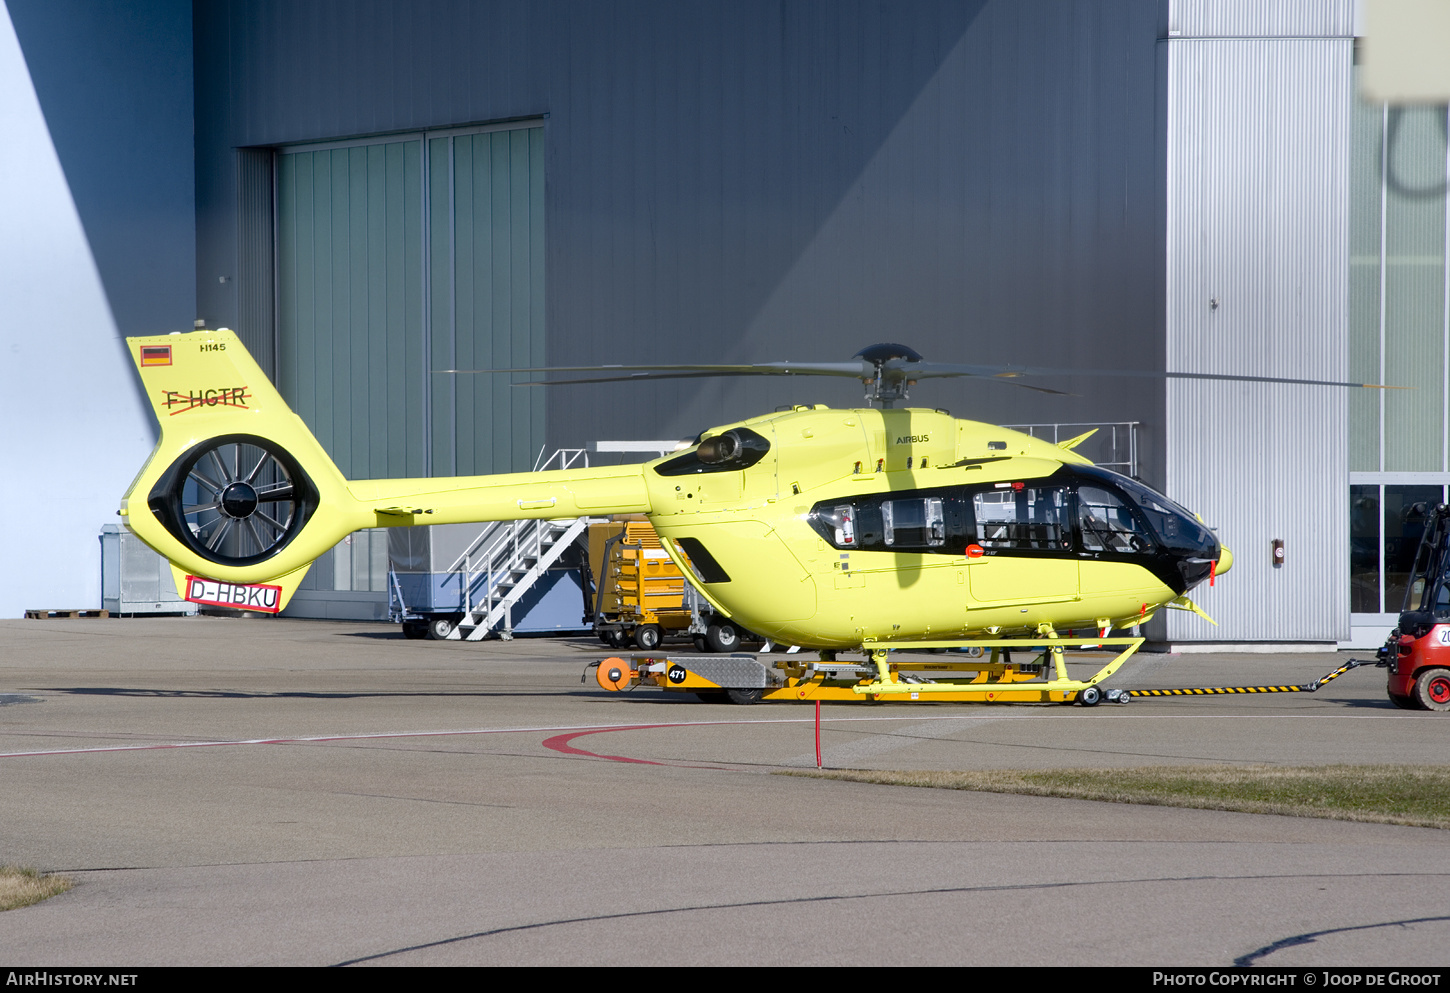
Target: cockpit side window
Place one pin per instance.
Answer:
(1108, 524)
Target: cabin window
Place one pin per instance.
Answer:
(1032, 517)
(936, 521)
(841, 519)
(868, 523)
(913, 523)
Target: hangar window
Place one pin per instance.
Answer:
(1385, 526)
(1399, 299)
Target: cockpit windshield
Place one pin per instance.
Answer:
(1175, 527)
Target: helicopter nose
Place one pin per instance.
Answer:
(1225, 561)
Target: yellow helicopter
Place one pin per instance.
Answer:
(862, 530)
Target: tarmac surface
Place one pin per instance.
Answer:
(272, 792)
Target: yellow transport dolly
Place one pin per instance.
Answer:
(995, 677)
(639, 593)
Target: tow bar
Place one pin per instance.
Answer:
(1309, 687)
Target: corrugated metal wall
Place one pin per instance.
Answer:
(256, 257)
(1258, 263)
(486, 285)
(1260, 18)
(351, 303)
(400, 258)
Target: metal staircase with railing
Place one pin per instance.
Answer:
(515, 555)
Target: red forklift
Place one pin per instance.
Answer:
(1417, 654)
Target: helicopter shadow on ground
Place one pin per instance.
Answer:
(395, 633)
(163, 694)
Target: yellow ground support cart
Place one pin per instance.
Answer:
(639, 594)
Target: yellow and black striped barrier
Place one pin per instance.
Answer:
(1210, 690)
(1214, 690)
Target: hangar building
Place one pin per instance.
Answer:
(373, 192)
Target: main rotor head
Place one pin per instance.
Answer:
(887, 377)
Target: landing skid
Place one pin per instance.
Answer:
(992, 677)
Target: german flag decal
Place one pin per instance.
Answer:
(155, 355)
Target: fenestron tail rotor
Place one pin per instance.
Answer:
(234, 500)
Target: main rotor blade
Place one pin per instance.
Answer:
(640, 376)
(891, 370)
(854, 370)
(1009, 373)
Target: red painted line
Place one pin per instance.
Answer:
(981, 716)
(320, 739)
(560, 743)
(324, 739)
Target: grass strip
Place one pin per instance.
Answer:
(1414, 795)
(22, 887)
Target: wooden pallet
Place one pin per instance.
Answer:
(44, 615)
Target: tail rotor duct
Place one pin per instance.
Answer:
(235, 500)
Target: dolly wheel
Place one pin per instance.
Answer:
(648, 637)
(1432, 689)
(1090, 697)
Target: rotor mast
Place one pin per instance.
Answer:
(887, 380)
